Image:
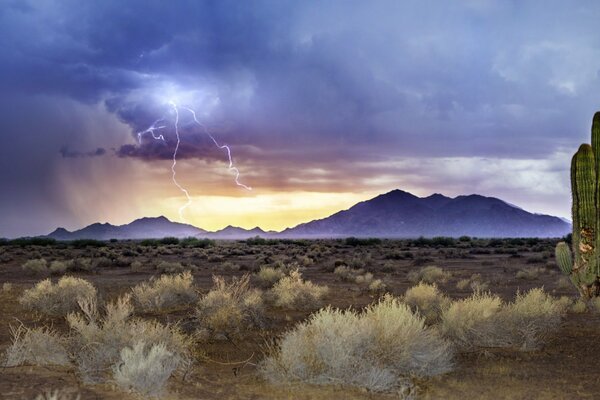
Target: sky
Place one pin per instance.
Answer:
(322, 104)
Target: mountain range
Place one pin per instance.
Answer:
(396, 214)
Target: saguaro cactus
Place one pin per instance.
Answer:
(584, 266)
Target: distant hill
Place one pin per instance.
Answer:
(396, 214)
(142, 228)
(402, 214)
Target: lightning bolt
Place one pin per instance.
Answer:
(155, 127)
(231, 167)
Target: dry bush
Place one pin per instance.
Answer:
(36, 266)
(428, 301)
(595, 304)
(60, 298)
(365, 279)
(36, 346)
(230, 308)
(377, 286)
(564, 283)
(483, 320)
(268, 276)
(475, 282)
(166, 292)
(7, 287)
(58, 395)
(377, 349)
(145, 369)
(430, 274)
(167, 267)
(530, 273)
(81, 264)
(346, 273)
(579, 307)
(97, 340)
(531, 319)
(58, 267)
(295, 293)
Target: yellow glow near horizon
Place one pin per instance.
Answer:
(270, 211)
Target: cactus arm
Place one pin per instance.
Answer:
(564, 258)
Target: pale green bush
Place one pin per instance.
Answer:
(295, 293)
(229, 309)
(36, 266)
(97, 340)
(483, 320)
(145, 369)
(430, 274)
(377, 349)
(166, 292)
(428, 301)
(59, 298)
(36, 346)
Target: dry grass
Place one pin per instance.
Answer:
(483, 320)
(58, 395)
(35, 267)
(230, 308)
(60, 298)
(428, 301)
(268, 276)
(378, 349)
(293, 292)
(430, 274)
(166, 292)
(145, 369)
(97, 340)
(36, 346)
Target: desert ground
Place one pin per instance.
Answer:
(563, 366)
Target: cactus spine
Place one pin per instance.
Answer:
(584, 267)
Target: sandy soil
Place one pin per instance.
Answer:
(566, 368)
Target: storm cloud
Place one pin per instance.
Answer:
(307, 94)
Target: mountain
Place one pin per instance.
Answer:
(234, 232)
(394, 214)
(402, 214)
(142, 228)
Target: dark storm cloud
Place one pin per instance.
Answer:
(314, 85)
(65, 152)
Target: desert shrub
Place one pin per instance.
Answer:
(230, 308)
(353, 241)
(364, 279)
(475, 282)
(346, 273)
(34, 241)
(483, 320)
(294, 292)
(268, 276)
(578, 307)
(377, 349)
(595, 304)
(430, 274)
(60, 298)
(166, 292)
(36, 266)
(167, 267)
(97, 340)
(58, 395)
(463, 284)
(529, 274)
(470, 322)
(564, 283)
(80, 264)
(145, 369)
(7, 287)
(377, 286)
(58, 267)
(428, 301)
(137, 266)
(35, 346)
(197, 243)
